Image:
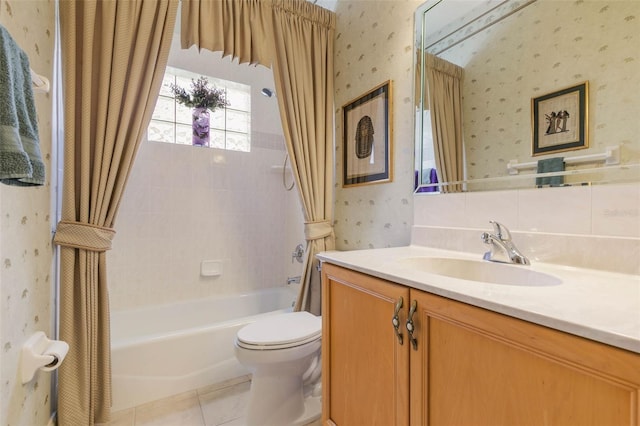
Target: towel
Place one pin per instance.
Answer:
(20, 158)
(429, 176)
(549, 165)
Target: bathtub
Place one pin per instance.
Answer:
(165, 350)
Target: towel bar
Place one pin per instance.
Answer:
(610, 157)
(40, 83)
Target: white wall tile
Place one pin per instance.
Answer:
(559, 210)
(500, 206)
(440, 210)
(186, 204)
(590, 227)
(616, 210)
(166, 230)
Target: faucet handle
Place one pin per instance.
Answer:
(500, 231)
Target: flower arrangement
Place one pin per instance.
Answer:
(201, 95)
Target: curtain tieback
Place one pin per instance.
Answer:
(83, 236)
(317, 230)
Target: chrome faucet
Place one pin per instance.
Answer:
(293, 280)
(502, 248)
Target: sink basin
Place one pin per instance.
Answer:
(481, 271)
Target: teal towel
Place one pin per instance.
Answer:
(20, 158)
(549, 165)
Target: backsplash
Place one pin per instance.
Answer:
(374, 43)
(26, 275)
(585, 226)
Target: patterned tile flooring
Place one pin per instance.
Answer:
(216, 405)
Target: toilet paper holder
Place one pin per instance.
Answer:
(39, 352)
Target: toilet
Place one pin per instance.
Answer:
(283, 353)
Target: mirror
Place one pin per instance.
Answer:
(513, 52)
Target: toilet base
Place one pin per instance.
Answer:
(311, 414)
(312, 411)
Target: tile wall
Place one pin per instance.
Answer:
(26, 272)
(187, 204)
(184, 205)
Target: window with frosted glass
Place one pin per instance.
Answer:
(230, 127)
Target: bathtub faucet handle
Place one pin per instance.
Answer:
(298, 253)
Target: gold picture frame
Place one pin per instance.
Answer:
(367, 137)
(560, 120)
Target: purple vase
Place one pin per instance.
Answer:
(200, 127)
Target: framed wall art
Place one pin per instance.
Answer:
(560, 120)
(367, 137)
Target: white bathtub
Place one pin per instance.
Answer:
(165, 350)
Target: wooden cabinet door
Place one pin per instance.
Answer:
(476, 367)
(365, 369)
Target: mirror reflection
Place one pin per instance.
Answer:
(489, 72)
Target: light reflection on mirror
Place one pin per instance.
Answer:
(515, 50)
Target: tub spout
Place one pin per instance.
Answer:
(292, 280)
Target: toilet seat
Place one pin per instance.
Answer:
(280, 331)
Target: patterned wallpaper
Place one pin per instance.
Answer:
(374, 43)
(557, 44)
(26, 277)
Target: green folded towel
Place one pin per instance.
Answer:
(549, 165)
(20, 158)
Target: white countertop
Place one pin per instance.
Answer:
(601, 306)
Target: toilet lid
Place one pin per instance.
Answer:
(281, 331)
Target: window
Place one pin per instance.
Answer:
(230, 127)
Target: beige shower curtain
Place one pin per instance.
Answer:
(445, 102)
(113, 56)
(303, 74)
(295, 38)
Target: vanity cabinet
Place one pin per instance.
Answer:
(469, 366)
(365, 379)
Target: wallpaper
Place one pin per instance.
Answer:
(374, 44)
(26, 276)
(556, 45)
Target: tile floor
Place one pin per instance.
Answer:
(216, 405)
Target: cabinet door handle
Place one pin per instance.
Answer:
(396, 321)
(410, 326)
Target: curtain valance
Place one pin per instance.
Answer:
(236, 28)
(308, 11)
(242, 28)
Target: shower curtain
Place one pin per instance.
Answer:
(294, 38)
(113, 56)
